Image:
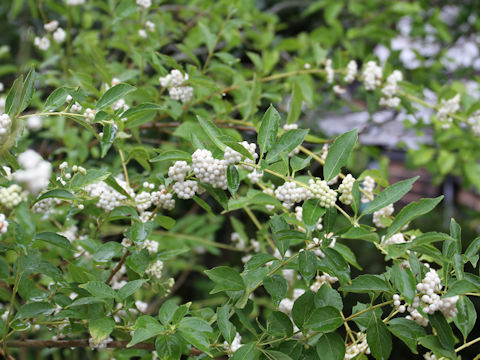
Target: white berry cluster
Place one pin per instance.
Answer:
(175, 84)
(358, 347)
(12, 196)
(322, 191)
(390, 89)
(3, 224)
(352, 69)
(101, 344)
(368, 185)
(233, 157)
(144, 3)
(34, 123)
(36, 172)
(143, 201)
(322, 279)
(447, 108)
(185, 189)
(5, 125)
(41, 42)
(51, 26)
(151, 246)
(155, 269)
(394, 239)
(208, 169)
(108, 197)
(430, 287)
(89, 114)
(42, 206)
(162, 198)
(234, 346)
(117, 281)
(429, 356)
(317, 243)
(474, 122)
(76, 108)
(255, 176)
(178, 170)
(238, 241)
(345, 189)
(299, 216)
(381, 214)
(289, 193)
(59, 35)
(75, 2)
(287, 127)
(330, 73)
(372, 75)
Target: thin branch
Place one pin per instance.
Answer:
(117, 268)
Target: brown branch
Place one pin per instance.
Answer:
(83, 343)
(117, 268)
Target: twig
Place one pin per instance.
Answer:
(117, 268)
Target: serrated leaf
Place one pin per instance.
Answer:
(365, 283)
(307, 264)
(325, 319)
(233, 179)
(130, 288)
(408, 331)
(109, 132)
(35, 309)
(100, 328)
(99, 289)
(145, 328)
(212, 132)
(276, 286)
(379, 339)
(57, 194)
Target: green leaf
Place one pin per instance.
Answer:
(307, 264)
(55, 99)
(460, 287)
(326, 296)
(99, 289)
(139, 261)
(379, 339)
(57, 194)
(55, 239)
(433, 343)
(325, 319)
(466, 316)
(285, 144)
(27, 90)
(277, 355)
(336, 265)
(225, 279)
(331, 346)
(303, 308)
(404, 281)
(233, 180)
(107, 251)
(339, 153)
(258, 260)
(311, 213)
(279, 324)
(145, 328)
(168, 347)
(295, 107)
(196, 331)
(298, 163)
(166, 311)
(247, 352)
(276, 286)
(212, 132)
(109, 133)
(390, 195)
(172, 155)
(12, 102)
(113, 94)
(365, 283)
(130, 288)
(208, 37)
(410, 212)
(35, 309)
(268, 130)
(226, 327)
(408, 331)
(444, 331)
(100, 328)
(471, 254)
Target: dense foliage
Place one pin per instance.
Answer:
(162, 195)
